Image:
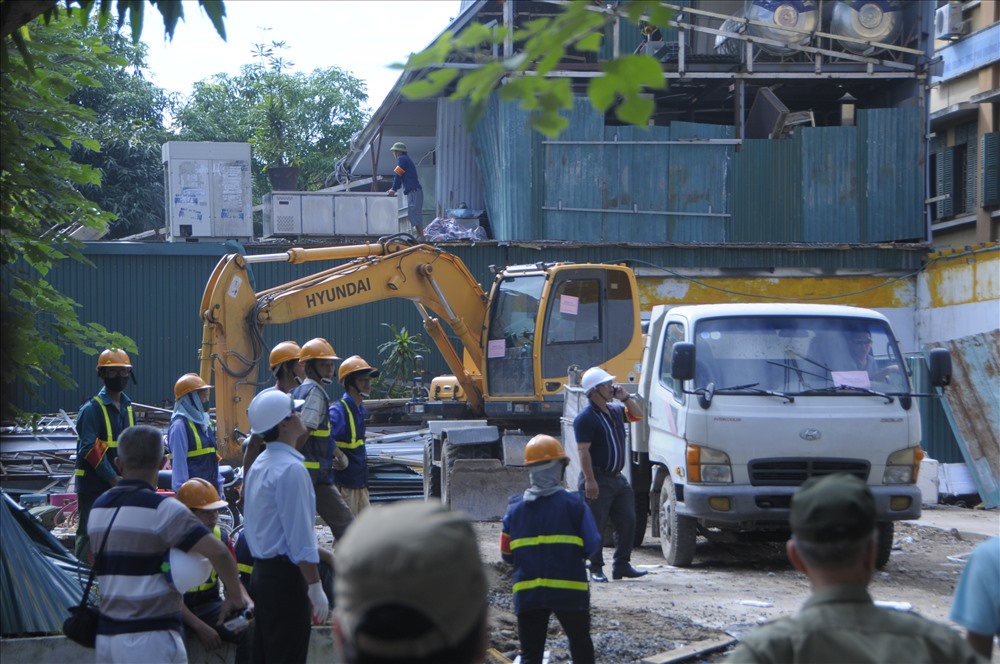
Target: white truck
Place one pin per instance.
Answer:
(744, 402)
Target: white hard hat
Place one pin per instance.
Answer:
(593, 377)
(186, 570)
(269, 408)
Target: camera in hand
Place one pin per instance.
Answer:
(239, 621)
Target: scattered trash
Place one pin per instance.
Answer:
(895, 606)
(441, 230)
(757, 603)
(906, 540)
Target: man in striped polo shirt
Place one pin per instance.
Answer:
(140, 610)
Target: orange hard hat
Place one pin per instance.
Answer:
(114, 357)
(199, 494)
(317, 349)
(286, 351)
(543, 448)
(189, 382)
(355, 364)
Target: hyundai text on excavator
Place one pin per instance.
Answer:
(519, 343)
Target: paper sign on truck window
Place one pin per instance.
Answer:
(852, 379)
(569, 304)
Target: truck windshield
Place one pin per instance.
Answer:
(798, 354)
(511, 336)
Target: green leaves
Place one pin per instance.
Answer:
(44, 124)
(541, 46)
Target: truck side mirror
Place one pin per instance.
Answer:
(940, 367)
(682, 362)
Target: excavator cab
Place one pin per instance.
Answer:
(545, 317)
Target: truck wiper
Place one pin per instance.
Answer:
(799, 370)
(752, 388)
(848, 388)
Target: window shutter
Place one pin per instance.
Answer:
(945, 184)
(991, 168)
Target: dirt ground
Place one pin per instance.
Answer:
(729, 589)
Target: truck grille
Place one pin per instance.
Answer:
(793, 472)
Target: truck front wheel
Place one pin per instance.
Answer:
(886, 530)
(678, 534)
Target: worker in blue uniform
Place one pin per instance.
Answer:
(191, 436)
(347, 428)
(548, 534)
(404, 176)
(98, 424)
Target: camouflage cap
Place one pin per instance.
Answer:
(832, 508)
(418, 555)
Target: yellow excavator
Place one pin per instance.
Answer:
(519, 341)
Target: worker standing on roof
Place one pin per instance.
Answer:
(405, 176)
(98, 425)
(321, 453)
(288, 374)
(548, 534)
(347, 426)
(191, 435)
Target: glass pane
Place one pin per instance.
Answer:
(796, 354)
(511, 336)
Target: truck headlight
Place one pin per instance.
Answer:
(707, 465)
(903, 466)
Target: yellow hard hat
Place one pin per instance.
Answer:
(189, 382)
(114, 357)
(543, 448)
(199, 494)
(286, 351)
(355, 364)
(317, 349)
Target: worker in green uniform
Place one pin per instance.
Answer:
(834, 543)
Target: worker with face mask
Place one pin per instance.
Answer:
(98, 425)
(347, 426)
(321, 454)
(191, 435)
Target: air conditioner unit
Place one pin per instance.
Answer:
(948, 23)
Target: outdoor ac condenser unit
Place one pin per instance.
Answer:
(948, 23)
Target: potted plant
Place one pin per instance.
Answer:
(272, 133)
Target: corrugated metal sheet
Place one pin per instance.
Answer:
(767, 192)
(39, 578)
(641, 184)
(830, 196)
(151, 292)
(504, 145)
(458, 178)
(698, 181)
(937, 438)
(973, 408)
(576, 176)
(892, 156)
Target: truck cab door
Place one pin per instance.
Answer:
(666, 402)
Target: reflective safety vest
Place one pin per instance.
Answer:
(318, 450)
(355, 476)
(105, 445)
(208, 591)
(202, 458)
(548, 540)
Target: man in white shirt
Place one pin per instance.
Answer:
(280, 513)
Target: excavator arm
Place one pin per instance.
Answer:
(233, 315)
